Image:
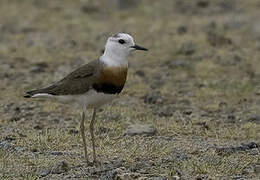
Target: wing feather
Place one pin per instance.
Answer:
(77, 82)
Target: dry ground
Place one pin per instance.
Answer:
(198, 85)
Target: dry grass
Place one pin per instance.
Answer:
(218, 84)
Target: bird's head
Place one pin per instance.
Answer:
(119, 46)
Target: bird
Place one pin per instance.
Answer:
(94, 84)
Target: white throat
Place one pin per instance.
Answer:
(114, 59)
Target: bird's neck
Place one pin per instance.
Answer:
(114, 59)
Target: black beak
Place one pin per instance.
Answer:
(139, 48)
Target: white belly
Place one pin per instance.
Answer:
(90, 99)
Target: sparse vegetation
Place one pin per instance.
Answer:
(202, 67)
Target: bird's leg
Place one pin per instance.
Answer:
(82, 130)
(91, 127)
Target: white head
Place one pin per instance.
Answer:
(118, 48)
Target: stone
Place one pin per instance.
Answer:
(128, 176)
(203, 4)
(38, 127)
(60, 167)
(39, 67)
(73, 131)
(56, 153)
(182, 30)
(34, 150)
(178, 63)
(138, 129)
(140, 73)
(127, 4)
(153, 98)
(45, 172)
(157, 178)
(180, 156)
(230, 150)
(6, 146)
(112, 173)
(88, 9)
(255, 119)
(164, 111)
(217, 39)
(257, 169)
(187, 48)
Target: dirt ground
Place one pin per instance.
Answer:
(198, 86)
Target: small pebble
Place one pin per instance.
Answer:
(137, 129)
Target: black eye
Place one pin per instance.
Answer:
(121, 41)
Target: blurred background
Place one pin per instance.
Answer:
(198, 85)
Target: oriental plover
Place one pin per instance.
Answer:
(94, 84)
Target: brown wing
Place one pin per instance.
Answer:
(77, 82)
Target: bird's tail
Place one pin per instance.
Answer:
(36, 93)
(30, 94)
